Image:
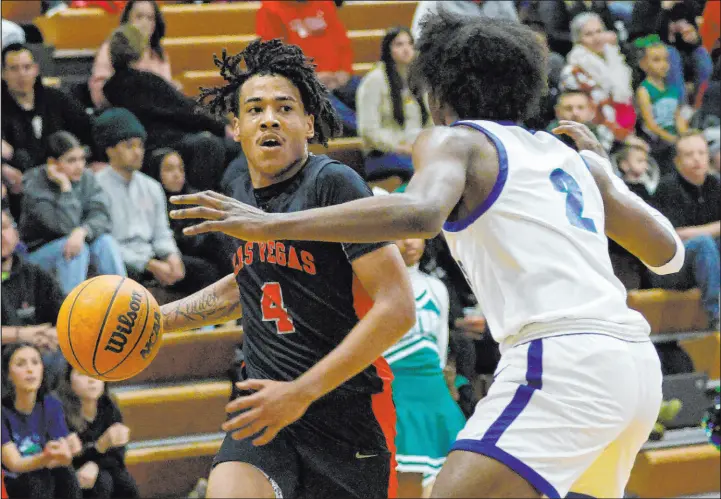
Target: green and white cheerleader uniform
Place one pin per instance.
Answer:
(428, 419)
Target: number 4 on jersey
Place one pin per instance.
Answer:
(271, 303)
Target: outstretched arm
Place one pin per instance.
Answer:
(440, 160)
(218, 303)
(630, 222)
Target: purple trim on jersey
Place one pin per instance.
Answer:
(459, 225)
(585, 162)
(519, 467)
(487, 445)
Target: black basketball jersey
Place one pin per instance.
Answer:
(301, 298)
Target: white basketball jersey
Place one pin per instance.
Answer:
(535, 252)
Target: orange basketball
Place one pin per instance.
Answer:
(109, 328)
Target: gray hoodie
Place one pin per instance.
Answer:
(48, 214)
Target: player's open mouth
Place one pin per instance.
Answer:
(270, 142)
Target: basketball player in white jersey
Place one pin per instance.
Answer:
(578, 387)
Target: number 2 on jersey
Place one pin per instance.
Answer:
(273, 308)
(565, 183)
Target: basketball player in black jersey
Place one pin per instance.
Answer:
(315, 416)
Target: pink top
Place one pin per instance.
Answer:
(103, 70)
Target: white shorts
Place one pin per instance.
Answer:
(569, 412)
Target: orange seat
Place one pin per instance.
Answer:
(705, 353)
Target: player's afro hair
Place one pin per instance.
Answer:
(482, 68)
(274, 57)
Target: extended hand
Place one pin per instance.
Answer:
(273, 406)
(581, 135)
(224, 214)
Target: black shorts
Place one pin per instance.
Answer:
(342, 447)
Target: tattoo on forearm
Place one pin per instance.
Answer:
(202, 307)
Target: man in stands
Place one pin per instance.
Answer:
(31, 300)
(31, 113)
(690, 198)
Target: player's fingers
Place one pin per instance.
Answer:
(203, 228)
(249, 430)
(201, 198)
(241, 420)
(198, 212)
(240, 403)
(251, 384)
(269, 434)
(220, 197)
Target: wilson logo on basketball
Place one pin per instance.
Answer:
(126, 323)
(153, 339)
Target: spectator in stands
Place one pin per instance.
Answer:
(316, 28)
(390, 113)
(633, 164)
(31, 113)
(575, 105)
(11, 33)
(690, 197)
(36, 444)
(495, 9)
(557, 16)
(138, 208)
(658, 103)
(203, 254)
(65, 218)
(146, 16)
(31, 300)
(92, 414)
(596, 66)
(170, 118)
(675, 22)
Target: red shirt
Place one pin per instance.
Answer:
(314, 26)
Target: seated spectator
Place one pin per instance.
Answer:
(596, 66)
(316, 28)
(557, 15)
(675, 22)
(633, 164)
(36, 444)
(575, 105)
(92, 414)
(690, 198)
(390, 114)
(65, 219)
(31, 300)
(202, 254)
(31, 113)
(658, 103)
(494, 9)
(146, 16)
(170, 118)
(138, 208)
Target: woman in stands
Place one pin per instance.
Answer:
(206, 254)
(390, 114)
(146, 16)
(37, 447)
(89, 411)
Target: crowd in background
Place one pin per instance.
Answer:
(85, 185)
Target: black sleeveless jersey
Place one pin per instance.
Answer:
(301, 298)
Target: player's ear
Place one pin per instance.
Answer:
(310, 126)
(236, 129)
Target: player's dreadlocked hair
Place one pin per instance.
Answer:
(274, 57)
(482, 68)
